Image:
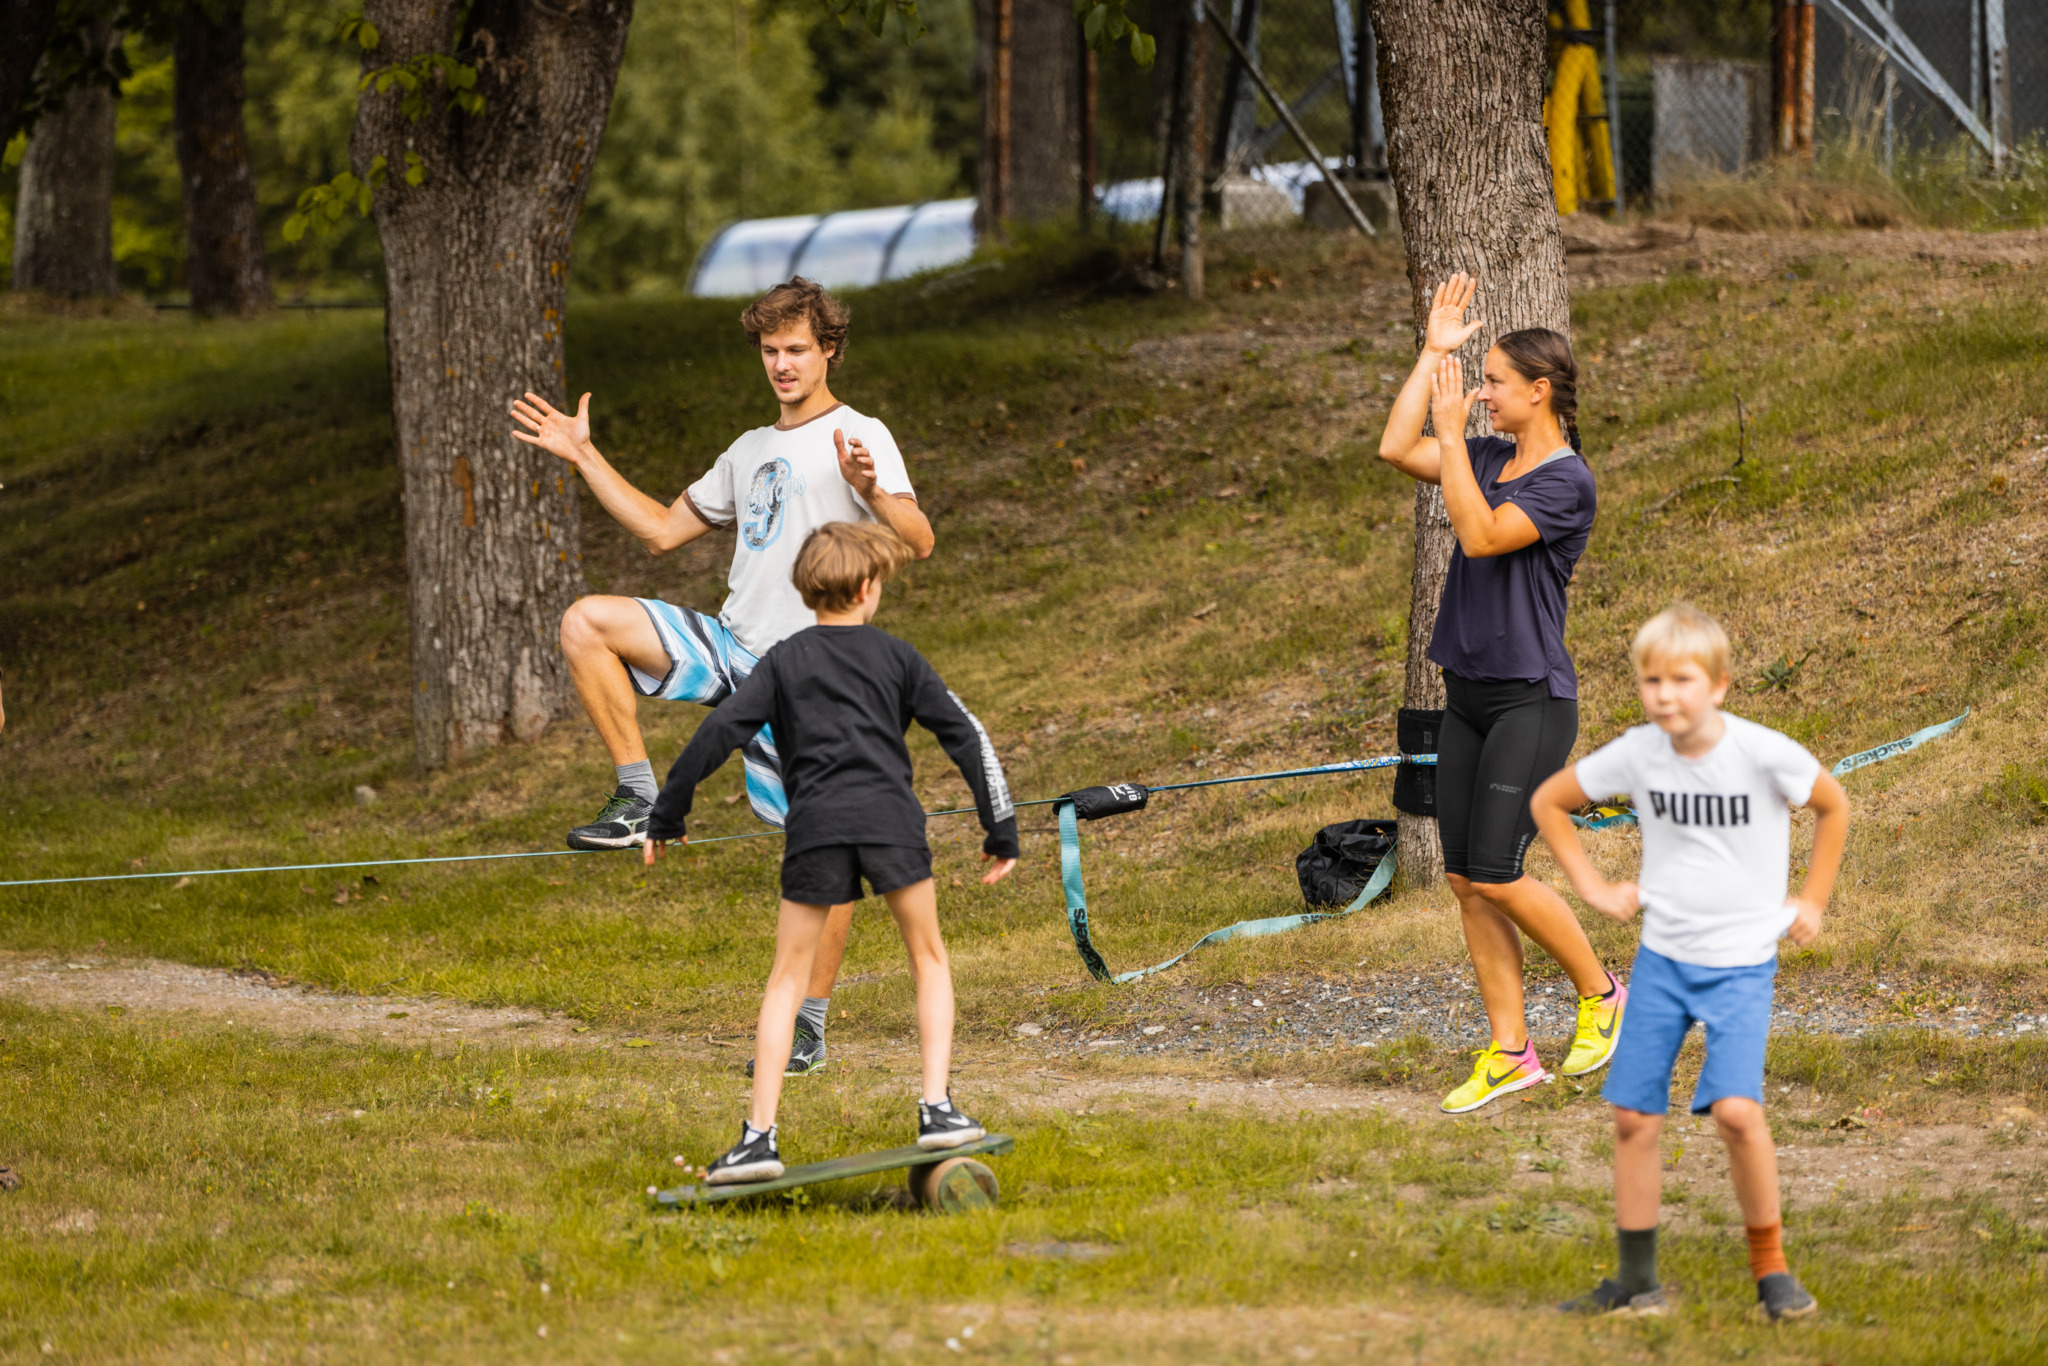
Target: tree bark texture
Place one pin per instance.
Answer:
(64, 210)
(1461, 86)
(1041, 93)
(25, 27)
(224, 266)
(477, 266)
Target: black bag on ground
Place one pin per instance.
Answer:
(1342, 860)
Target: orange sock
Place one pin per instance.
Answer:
(1766, 1250)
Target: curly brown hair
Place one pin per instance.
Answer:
(805, 301)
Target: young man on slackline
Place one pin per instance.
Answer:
(820, 462)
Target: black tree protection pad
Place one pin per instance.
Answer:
(838, 1168)
(1417, 731)
(1093, 803)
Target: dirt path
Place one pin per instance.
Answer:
(1995, 1148)
(261, 1000)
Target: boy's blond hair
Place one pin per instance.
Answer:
(1682, 631)
(838, 557)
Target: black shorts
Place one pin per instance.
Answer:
(830, 874)
(1499, 741)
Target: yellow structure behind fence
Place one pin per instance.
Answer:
(1575, 113)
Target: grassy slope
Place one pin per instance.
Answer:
(205, 643)
(234, 482)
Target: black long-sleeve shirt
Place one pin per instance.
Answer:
(838, 700)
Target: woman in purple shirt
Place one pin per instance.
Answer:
(1522, 505)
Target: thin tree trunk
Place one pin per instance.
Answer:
(25, 27)
(224, 266)
(477, 265)
(64, 210)
(1039, 85)
(1461, 87)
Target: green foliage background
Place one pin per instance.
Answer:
(724, 109)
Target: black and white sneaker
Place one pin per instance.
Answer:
(806, 1053)
(941, 1126)
(752, 1159)
(621, 825)
(1781, 1296)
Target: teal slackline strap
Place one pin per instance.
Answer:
(1891, 749)
(1898, 747)
(1077, 908)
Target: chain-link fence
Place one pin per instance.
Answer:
(1259, 185)
(1678, 117)
(1890, 77)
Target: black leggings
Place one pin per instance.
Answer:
(1500, 740)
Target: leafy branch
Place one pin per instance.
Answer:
(322, 208)
(1104, 24)
(875, 14)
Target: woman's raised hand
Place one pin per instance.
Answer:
(1449, 403)
(1447, 329)
(554, 431)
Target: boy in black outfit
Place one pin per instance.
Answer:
(839, 697)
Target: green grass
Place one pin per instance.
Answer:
(206, 1184)
(203, 637)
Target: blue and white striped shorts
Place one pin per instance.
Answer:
(706, 662)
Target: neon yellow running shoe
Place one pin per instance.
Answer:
(1497, 1073)
(1599, 1030)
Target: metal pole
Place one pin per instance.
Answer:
(1614, 112)
(1806, 83)
(999, 212)
(1336, 183)
(1785, 77)
(1088, 168)
(1891, 95)
(1191, 172)
(1998, 68)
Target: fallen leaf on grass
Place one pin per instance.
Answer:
(398, 1014)
(638, 1043)
(1201, 612)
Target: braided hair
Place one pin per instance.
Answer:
(1539, 353)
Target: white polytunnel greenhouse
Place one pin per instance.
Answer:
(839, 250)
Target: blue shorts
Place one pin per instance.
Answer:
(706, 662)
(1665, 998)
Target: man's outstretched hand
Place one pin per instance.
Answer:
(999, 868)
(856, 465)
(552, 430)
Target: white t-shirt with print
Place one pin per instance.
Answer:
(1717, 836)
(778, 485)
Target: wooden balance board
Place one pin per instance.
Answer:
(949, 1181)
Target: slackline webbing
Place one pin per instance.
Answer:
(1347, 766)
(1070, 850)
(1605, 816)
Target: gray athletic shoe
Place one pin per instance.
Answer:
(621, 825)
(806, 1053)
(1781, 1296)
(1611, 1297)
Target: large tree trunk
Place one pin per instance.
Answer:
(224, 258)
(24, 32)
(477, 265)
(64, 210)
(1461, 87)
(1031, 127)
